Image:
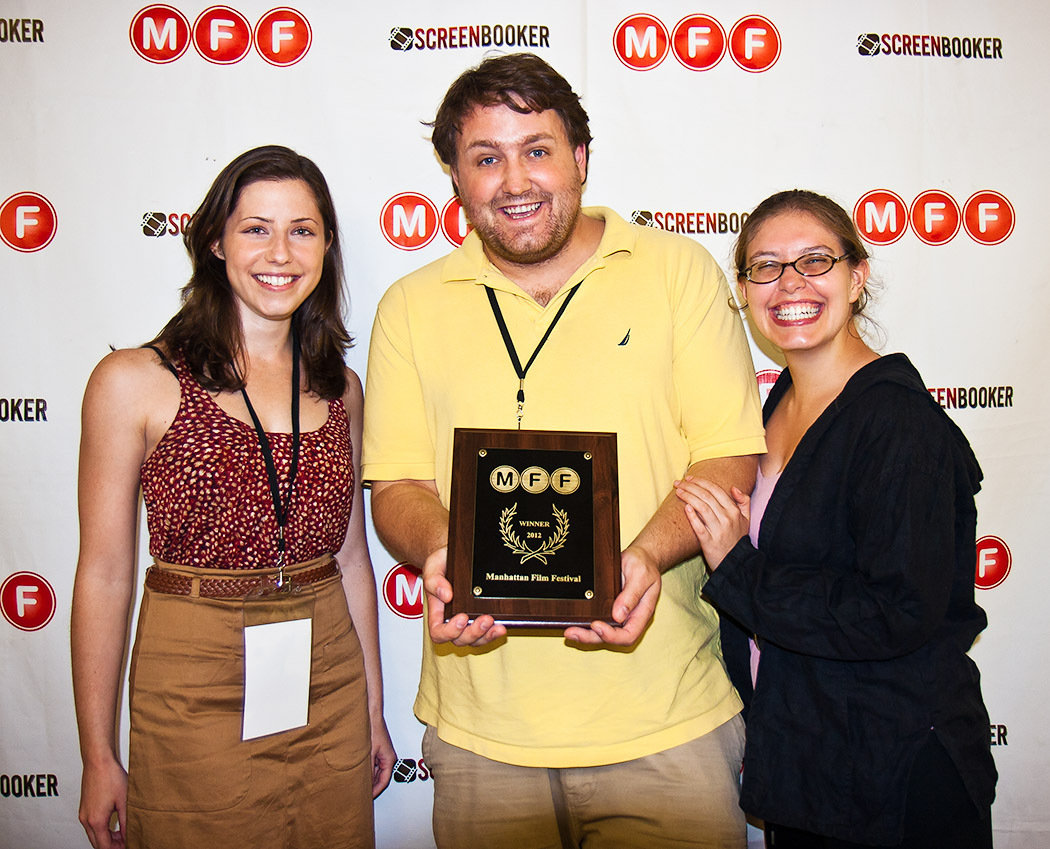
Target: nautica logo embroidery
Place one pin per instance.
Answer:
(625, 339)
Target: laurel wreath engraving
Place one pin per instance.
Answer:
(512, 541)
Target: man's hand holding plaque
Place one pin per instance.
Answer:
(633, 608)
(460, 629)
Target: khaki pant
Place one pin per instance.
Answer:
(193, 782)
(687, 796)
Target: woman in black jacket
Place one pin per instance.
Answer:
(853, 562)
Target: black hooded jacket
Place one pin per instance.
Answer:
(861, 592)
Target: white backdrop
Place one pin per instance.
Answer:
(844, 98)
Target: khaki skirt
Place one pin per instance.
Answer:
(192, 780)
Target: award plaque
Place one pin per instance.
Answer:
(534, 529)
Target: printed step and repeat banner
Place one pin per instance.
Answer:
(926, 118)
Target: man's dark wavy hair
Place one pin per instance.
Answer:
(520, 81)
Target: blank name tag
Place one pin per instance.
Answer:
(276, 677)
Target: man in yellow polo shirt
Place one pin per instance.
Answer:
(623, 735)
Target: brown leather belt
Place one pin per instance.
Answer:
(162, 580)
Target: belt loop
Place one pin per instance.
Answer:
(195, 587)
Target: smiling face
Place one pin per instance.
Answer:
(799, 313)
(520, 182)
(274, 247)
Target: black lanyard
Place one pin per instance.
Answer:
(521, 372)
(281, 510)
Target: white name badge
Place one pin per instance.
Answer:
(276, 677)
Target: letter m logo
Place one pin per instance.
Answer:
(160, 34)
(409, 221)
(403, 591)
(641, 42)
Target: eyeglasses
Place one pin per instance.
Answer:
(810, 265)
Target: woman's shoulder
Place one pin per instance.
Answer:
(896, 412)
(132, 366)
(889, 388)
(132, 378)
(353, 395)
(354, 392)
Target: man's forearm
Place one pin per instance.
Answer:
(409, 518)
(667, 536)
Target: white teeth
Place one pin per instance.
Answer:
(524, 209)
(274, 279)
(796, 312)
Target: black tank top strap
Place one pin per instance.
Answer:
(163, 359)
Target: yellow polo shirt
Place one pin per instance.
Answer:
(649, 349)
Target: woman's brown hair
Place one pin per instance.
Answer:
(206, 331)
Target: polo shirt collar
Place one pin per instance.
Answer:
(468, 263)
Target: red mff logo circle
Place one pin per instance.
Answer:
(27, 601)
(993, 562)
(28, 222)
(403, 591)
